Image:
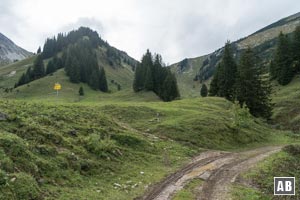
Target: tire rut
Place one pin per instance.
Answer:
(218, 169)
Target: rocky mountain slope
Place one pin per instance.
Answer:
(10, 52)
(191, 72)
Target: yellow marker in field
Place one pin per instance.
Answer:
(57, 87)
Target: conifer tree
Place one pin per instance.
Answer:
(38, 68)
(50, 67)
(103, 81)
(138, 83)
(81, 91)
(282, 70)
(93, 81)
(251, 89)
(203, 91)
(227, 74)
(214, 85)
(170, 88)
(39, 50)
(296, 49)
(149, 85)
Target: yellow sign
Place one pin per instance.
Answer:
(57, 86)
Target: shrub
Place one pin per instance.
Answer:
(24, 186)
(100, 147)
(292, 149)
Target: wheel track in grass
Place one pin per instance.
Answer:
(218, 169)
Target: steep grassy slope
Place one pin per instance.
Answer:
(263, 42)
(10, 74)
(185, 77)
(287, 105)
(112, 150)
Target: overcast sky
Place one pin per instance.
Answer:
(174, 28)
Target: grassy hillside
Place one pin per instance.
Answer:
(10, 74)
(185, 77)
(112, 150)
(287, 105)
(119, 78)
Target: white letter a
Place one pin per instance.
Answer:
(280, 186)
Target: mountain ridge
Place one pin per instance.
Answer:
(10, 52)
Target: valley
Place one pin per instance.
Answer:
(135, 139)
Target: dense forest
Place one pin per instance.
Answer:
(152, 75)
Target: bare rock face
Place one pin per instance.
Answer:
(10, 52)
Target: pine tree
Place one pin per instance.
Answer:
(227, 74)
(170, 88)
(251, 89)
(203, 91)
(282, 71)
(39, 50)
(296, 49)
(74, 72)
(50, 67)
(157, 66)
(38, 68)
(94, 80)
(138, 81)
(149, 85)
(214, 85)
(102, 81)
(81, 92)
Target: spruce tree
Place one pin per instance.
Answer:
(283, 70)
(170, 89)
(81, 92)
(102, 81)
(227, 74)
(149, 85)
(50, 67)
(214, 85)
(138, 83)
(39, 50)
(296, 49)
(93, 81)
(251, 89)
(38, 68)
(203, 91)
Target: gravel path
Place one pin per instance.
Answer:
(218, 169)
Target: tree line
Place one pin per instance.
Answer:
(286, 60)
(152, 75)
(243, 81)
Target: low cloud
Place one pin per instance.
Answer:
(176, 29)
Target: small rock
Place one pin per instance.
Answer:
(3, 117)
(98, 191)
(73, 133)
(142, 172)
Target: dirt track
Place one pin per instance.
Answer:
(218, 169)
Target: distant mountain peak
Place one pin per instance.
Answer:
(10, 52)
